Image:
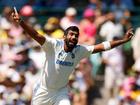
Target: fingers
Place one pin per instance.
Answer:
(131, 29)
(130, 32)
(15, 16)
(15, 13)
(15, 10)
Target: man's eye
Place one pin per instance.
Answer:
(71, 34)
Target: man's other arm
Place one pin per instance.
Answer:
(111, 44)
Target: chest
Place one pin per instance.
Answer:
(65, 59)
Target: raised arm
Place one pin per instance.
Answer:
(111, 44)
(27, 28)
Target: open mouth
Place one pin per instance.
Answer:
(72, 42)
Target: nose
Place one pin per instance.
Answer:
(75, 37)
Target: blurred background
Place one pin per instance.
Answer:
(110, 78)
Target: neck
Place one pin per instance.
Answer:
(67, 49)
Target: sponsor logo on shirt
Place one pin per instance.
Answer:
(64, 63)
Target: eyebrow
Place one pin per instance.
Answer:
(73, 32)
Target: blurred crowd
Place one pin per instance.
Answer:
(22, 59)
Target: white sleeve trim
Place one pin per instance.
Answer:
(91, 48)
(107, 45)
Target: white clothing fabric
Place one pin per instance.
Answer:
(136, 49)
(109, 30)
(4, 23)
(114, 68)
(57, 69)
(38, 57)
(66, 22)
(51, 97)
(112, 101)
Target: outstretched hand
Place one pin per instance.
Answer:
(129, 34)
(15, 16)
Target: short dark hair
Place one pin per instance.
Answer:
(73, 28)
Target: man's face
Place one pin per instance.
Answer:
(71, 39)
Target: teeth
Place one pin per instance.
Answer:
(71, 43)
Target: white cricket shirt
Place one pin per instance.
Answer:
(60, 64)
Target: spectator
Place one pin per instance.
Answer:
(5, 22)
(52, 27)
(118, 8)
(110, 28)
(69, 19)
(138, 100)
(114, 74)
(129, 4)
(88, 27)
(97, 5)
(126, 20)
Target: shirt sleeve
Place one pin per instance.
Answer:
(49, 44)
(85, 51)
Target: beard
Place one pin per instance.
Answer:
(70, 44)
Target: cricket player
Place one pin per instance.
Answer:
(62, 55)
